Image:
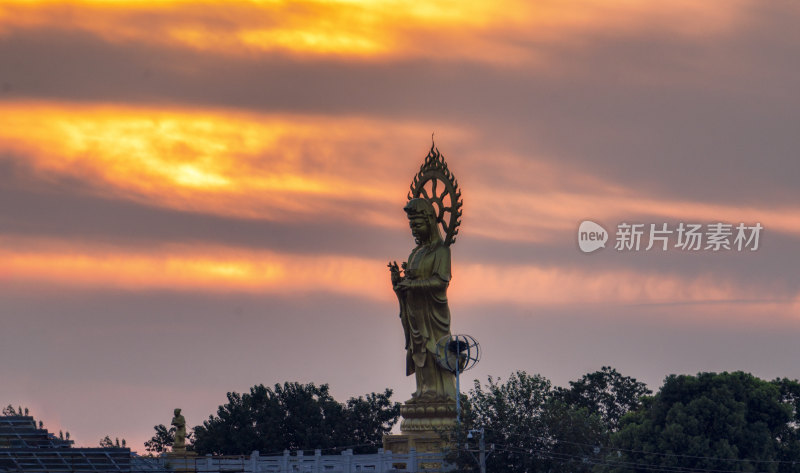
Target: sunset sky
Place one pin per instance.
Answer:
(197, 197)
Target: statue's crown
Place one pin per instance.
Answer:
(419, 207)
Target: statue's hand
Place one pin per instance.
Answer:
(394, 271)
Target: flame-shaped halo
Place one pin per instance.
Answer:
(435, 183)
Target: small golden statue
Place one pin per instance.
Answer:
(178, 421)
(434, 211)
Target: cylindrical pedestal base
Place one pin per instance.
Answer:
(426, 427)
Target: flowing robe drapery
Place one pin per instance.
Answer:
(425, 316)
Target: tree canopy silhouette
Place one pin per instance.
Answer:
(296, 416)
(712, 421)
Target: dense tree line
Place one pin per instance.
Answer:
(529, 425)
(608, 423)
(722, 422)
(602, 423)
(291, 416)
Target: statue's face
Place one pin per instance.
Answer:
(419, 228)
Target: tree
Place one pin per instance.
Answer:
(295, 416)
(526, 427)
(605, 393)
(164, 438)
(106, 442)
(790, 438)
(9, 410)
(724, 422)
(368, 419)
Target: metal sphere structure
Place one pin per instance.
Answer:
(457, 353)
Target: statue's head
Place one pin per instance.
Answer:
(177, 412)
(422, 220)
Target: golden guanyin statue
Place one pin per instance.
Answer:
(433, 211)
(424, 313)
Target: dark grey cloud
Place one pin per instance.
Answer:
(772, 269)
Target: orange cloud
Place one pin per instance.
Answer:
(245, 165)
(219, 269)
(499, 32)
(178, 268)
(547, 286)
(301, 167)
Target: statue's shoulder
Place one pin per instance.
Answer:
(441, 253)
(441, 248)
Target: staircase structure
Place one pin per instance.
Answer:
(26, 448)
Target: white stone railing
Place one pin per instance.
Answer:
(347, 462)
